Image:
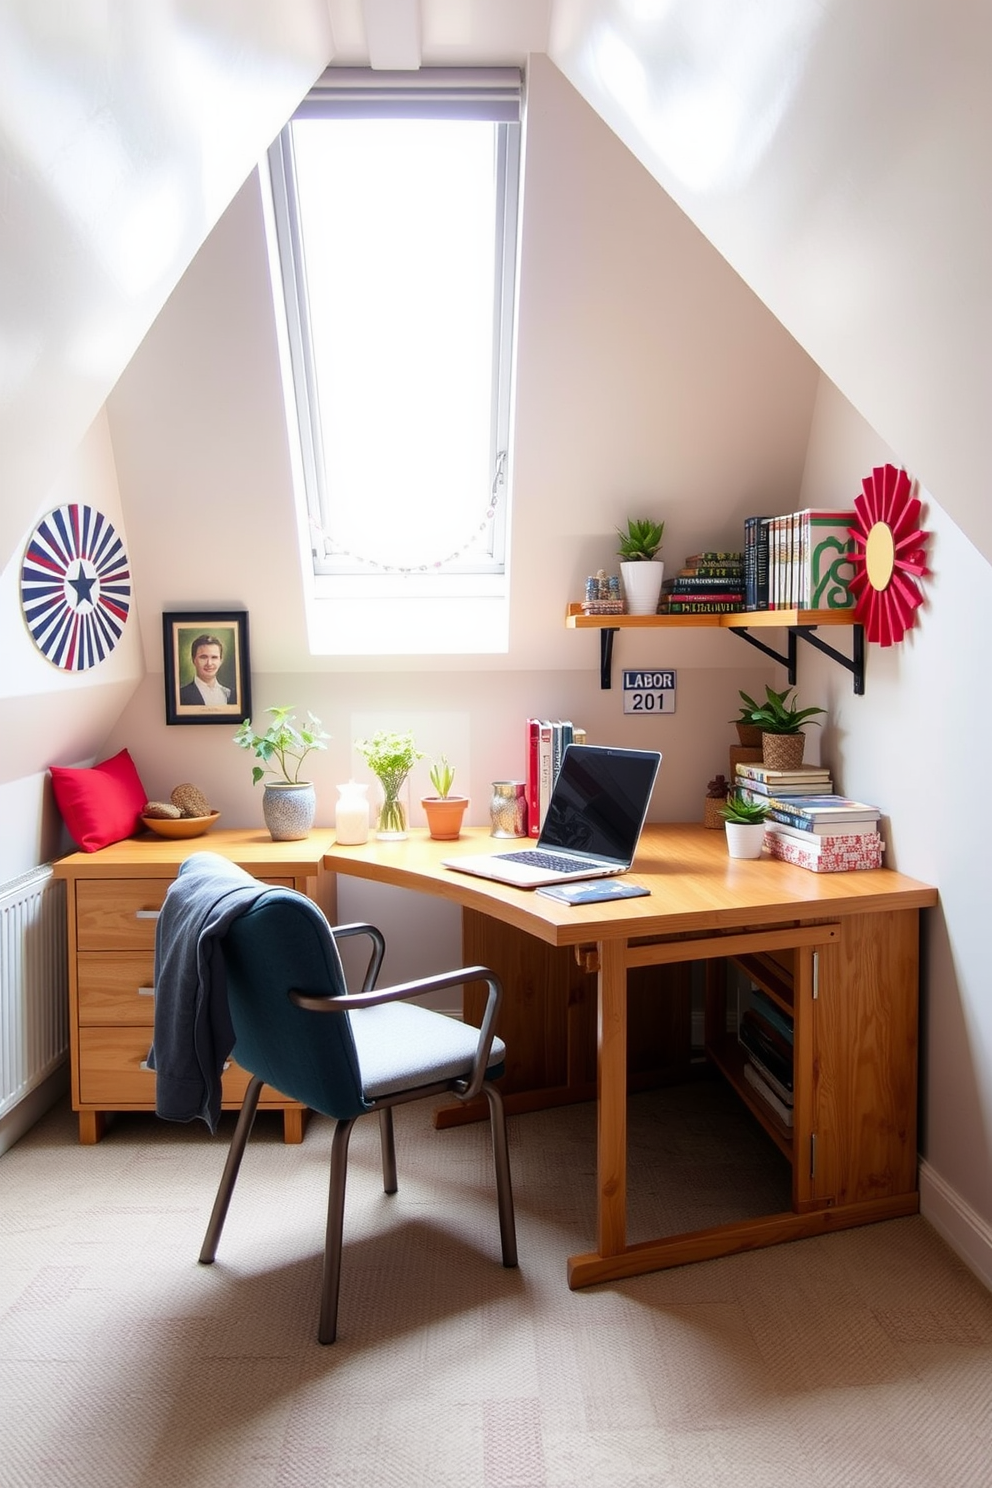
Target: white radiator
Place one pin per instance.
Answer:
(34, 1009)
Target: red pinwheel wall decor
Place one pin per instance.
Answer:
(888, 555)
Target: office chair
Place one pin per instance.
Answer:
(298, 1029)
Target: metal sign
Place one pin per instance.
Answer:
(649, 691)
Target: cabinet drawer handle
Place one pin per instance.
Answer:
(146, 991)
(147, 914)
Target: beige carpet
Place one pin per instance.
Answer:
(863, 1358)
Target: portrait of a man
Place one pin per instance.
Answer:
(206, 668)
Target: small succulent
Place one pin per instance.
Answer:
(743, 812)
(717, 788)
(641, 540)
(442, 777)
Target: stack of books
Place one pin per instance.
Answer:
(765, 1034)
(546, 742)
(799, 561)
(826, 834)
(761, 781)
(710, 583)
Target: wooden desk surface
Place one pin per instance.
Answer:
(695, 886)
(148, 856)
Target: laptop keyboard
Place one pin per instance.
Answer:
(553, 862)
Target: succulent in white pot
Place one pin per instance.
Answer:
(641, 572)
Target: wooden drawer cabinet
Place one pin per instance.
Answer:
(113, 898)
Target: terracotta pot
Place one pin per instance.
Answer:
(783, 751)
(444, 815)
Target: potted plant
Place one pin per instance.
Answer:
(783, 742)
(748, 732)
(289, 804)
(444, 811)
(714, 801)
(642, 573)
(744, 823)
(390, 757)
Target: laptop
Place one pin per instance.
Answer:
(592, 825)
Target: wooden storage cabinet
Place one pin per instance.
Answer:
(112, 916)
(854, 1007)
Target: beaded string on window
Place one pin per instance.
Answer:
(334, 549)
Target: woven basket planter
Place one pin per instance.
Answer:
(712, 809)
(782, 751)
(749, 734)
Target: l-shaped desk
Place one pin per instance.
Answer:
(837, 952)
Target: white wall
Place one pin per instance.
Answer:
(914, 744)
(839, 156)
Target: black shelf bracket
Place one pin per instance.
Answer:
(606, 657)
(855, 663)
(789, 661)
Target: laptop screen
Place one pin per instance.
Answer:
(600, 800)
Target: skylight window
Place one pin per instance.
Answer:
(395, 207)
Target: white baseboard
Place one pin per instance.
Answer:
(968, 1235)
(33, 1107)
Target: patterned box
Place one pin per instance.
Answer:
(837, 854)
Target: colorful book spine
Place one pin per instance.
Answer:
(683, 606)
(735, 555)
(690, 583)
(859, 852)
(712, 571)
(808, 773)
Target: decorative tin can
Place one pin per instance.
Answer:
(508, 809)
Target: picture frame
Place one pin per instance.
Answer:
(218, 639)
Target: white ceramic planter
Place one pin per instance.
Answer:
(642, 586)
(288, 810)
(745, 839)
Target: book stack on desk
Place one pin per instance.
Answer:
(826, 834)
(765, 1035)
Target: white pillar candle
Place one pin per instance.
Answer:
(351, 818)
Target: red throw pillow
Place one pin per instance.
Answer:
(101, 805)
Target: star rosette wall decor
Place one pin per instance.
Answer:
(888, 555)
(75, 587)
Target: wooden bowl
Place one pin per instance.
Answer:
(180, 826)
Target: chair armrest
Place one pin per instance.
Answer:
(404, 990)
(378, 951)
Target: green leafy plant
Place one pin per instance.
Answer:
(740, 810)
(390, 757)
(778, 713)
(641, 540)
(442, 777)
(284, 745)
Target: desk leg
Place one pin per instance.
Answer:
(612, 1099)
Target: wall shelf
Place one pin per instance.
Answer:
(799, 624)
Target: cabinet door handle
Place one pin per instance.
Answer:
(146, 991)
(147, 914)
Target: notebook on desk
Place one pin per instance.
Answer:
(592, 825)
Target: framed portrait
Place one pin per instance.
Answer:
(207, 673)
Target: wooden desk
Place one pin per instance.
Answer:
(112, 900)
(843, 952)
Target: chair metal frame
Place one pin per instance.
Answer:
(466, 1089)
